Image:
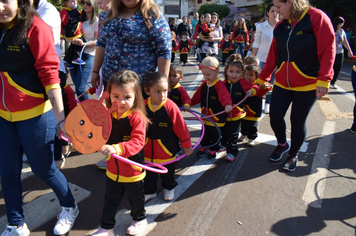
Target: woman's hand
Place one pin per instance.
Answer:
(95, 80)
(107, 150)
(321, 91)
(78, 42)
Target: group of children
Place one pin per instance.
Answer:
(154, 129)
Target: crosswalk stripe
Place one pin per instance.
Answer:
(46, 207)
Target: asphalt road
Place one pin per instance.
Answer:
(250, 196)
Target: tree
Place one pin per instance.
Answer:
(56, 3)
(222, 10)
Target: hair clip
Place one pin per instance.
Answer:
(207, 67)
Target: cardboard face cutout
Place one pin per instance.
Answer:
(89, 124)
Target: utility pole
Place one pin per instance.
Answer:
(179, 9)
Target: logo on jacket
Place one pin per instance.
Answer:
(13, 48)
(299, 32)
(162, 124)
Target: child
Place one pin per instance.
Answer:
(184, 47)
(253, 107)
(225, 48)
(213, 98)
(232, 45)
(127, 139)
(251, 59)
(177, 93)
(238, 88)
(206, 31)
(174, 46)
(71, 29)
(163, 135)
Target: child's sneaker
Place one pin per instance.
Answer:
(150, 196)
(103, 232)
(79, 62)
(202, 152)
(168, 194)
(291, 163)
(230, 157)
(212, 155)
(136, 227)
(101, 164)
(66, 220)
(69, 66)
(16, 231)
(243, 138)
(251, 142)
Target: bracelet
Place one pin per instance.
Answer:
(95, 72)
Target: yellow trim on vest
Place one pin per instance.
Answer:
(252, 118)
(301, 88)
(27, 114)
(149, 103)
(164, 147)
(236, 117)
(300, 72)
(21, 89)
(123, 179)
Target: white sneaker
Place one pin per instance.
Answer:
(16, 231)
(150, 196)
(65, 220)
(103, 232)
(251, 142)
(60, 163)
(266, 108)
(168, 194)
(243, 138)
(136, 227)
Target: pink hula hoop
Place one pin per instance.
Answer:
(161, 169)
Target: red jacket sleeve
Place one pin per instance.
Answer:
(233, 34)
(64, 19)
(72, 103)
(179, 126)
(205, 28)
(222, 44)
(178, 47)
(324, 33)
(137, 139)
(42, 48)
(196, 97)
(184, 96)
(247, 40)
(223, 93)
(174, 45)
(196, 31)
(247, 85)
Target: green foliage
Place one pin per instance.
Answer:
(222, 10)
(263, 6)
(57, 4)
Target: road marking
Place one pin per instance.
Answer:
(342, 91)
(314, 190)
(46, 207)
(210, 201)
(331, 111)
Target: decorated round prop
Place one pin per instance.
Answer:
(89, 124)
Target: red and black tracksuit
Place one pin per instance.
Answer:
(179, 96)
(225, 47)
(164, 134)
(174, 49)
(183, 47)
(128, 138)
(212, 98)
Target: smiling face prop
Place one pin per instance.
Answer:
(89, 125)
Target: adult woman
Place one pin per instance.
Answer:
(90, 22)
(225, 28)
(303, 74)
(196, 34)
(217, 37)
(240, 37)
(195, 22)
(29, 75)
(182, 27)
(341, 40)
(263, 40)
(173, 26)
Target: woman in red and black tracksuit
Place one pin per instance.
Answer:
(303, 49)
(240, 37)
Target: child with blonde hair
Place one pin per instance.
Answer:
(213, 98)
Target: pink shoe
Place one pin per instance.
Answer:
(103, 232)
(136, 227)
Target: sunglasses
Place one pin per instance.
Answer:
(86, 3)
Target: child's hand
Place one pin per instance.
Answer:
(78, 42)
(186, 108)
(228, 108)
(107, 150)
(249, 93)
(188, 151)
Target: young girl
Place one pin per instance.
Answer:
(163, 135)
(213, 98)
(177, 93)
(225, 48)
(127, 139)
(174, 46)
(240, 36)
(253, 107)
(238, 88)
(184, 47)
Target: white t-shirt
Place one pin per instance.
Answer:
(89, 34)
(340, 36)
(263, 40)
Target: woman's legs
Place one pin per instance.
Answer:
(353, 81)
(77, 76)
(241, 47)
(339, 58)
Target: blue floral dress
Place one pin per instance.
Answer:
(130, 45)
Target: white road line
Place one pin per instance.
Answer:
(46, 207)
(345, 73)
(314, 190)
(341, 90)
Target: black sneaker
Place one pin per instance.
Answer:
(202, 152)
(278, 152)
(291, 163)
(212, 155)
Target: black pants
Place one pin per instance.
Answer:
(173, 57)
(113, 197)
(210, 137)
(339, 58)
(230, 135)
(302, 102)
(224, 57)
(249, 128)
(168, 181)
(184, 58)
(73, 52)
